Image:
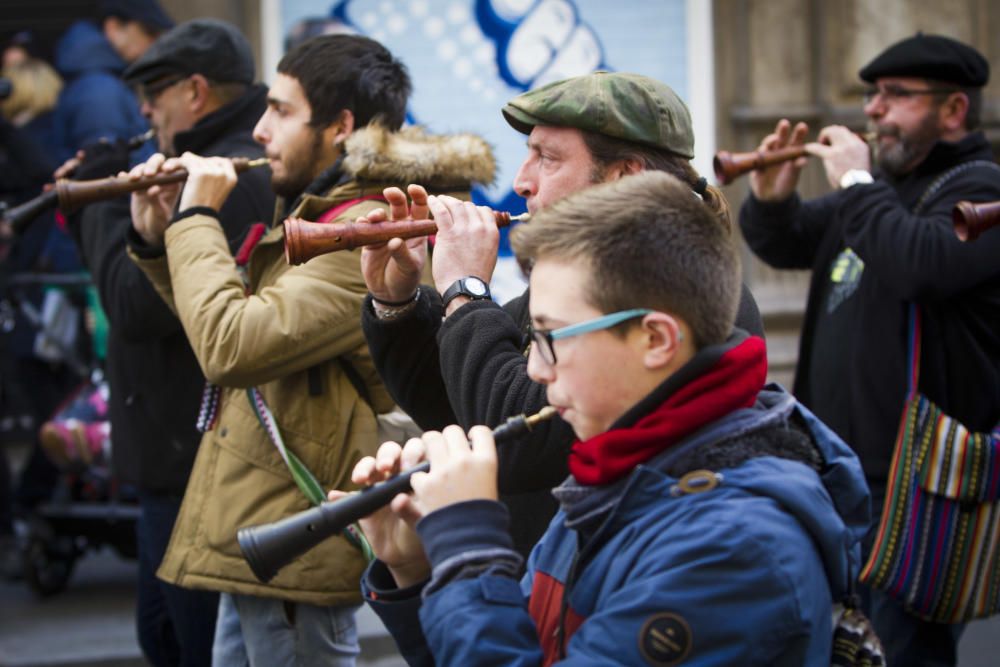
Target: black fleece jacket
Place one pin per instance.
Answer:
(156, 383)
(472, 369)
(853, 353)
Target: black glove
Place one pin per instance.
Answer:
(102, 159)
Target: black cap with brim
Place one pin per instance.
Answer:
(930, 57)
(212, 48)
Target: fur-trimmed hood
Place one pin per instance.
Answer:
(411, 155)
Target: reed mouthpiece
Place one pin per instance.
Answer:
(545, 414)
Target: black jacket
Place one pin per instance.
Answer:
(472, 369)
(853, 350)
(156, 384)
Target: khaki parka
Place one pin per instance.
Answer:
(292, 319)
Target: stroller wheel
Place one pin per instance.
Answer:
(48, 566)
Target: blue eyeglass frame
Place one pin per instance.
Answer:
(596, 324)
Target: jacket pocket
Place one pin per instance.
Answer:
(250, 483)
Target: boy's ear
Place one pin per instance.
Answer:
(662, 337)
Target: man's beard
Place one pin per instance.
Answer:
(300, 169)
(908, 150)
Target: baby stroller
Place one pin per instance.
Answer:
(87, 507)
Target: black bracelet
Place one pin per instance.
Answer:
(195, 210)
(397, 304)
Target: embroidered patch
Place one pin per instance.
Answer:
(665, 640)
(845, 276)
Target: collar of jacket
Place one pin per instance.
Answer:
(716, 381)
(376, 158)
(741, 435)
(239, 115)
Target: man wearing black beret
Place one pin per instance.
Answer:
(879, 244)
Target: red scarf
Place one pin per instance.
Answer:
(731, 383)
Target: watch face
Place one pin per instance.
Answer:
(476, 287)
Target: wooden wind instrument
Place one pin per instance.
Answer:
(269, 547)
(730, 166)
(305, 240)
(69, 195)
(970, 220)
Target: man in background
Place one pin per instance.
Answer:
(873, 255)
(96, 104)
(197, 90)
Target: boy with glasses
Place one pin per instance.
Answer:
(706, 519)
(873, 255)
(446, 351)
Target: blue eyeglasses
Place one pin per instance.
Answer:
(543, 338)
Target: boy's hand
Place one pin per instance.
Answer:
(390, 530)
(392, 270)
(457, 473)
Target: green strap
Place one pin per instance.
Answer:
(304, 479)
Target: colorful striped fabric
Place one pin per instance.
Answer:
(938, 544)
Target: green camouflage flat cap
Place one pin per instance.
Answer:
(616, 104)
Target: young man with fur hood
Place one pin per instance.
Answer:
(282, 343)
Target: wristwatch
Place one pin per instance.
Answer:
(855, 177)
(469, 286)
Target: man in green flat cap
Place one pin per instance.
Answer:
(450, 354)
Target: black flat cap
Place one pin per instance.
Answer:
(147, 12)
(930, 57)
(215, 49)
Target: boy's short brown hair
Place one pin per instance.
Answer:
(649, 242)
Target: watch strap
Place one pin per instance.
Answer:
(459, 288)
(855, 177)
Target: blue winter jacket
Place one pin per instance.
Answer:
(95, 103)
(738, 564)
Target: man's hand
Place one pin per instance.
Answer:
(152, 208)
(209, 181)
(98, 160)
(69, 167)
(841, 150)
(390, 529)
(392, 270)
(778, 182)
(466, 243)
